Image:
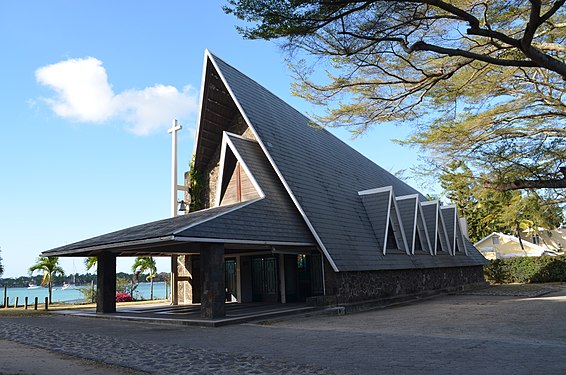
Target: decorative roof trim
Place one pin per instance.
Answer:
(201, 100)
(423, 229)
(459, 240)
(443, 233)
(210, 57)
(376, 190)
(414, 220)
(396, 220)
(452, 221)
(410, 196)
(393, 218)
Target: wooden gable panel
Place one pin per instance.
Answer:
(240, 187)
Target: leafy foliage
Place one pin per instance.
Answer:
(146, 264)
(89, 293)
(196, 186)
(1, 266)
(123, 297)
(50, 267)
(91, 262)
(127, 284)
(526, 270)
(488, 211)
(482, 82)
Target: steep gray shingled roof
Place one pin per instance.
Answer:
(271, 220)
(323, 175)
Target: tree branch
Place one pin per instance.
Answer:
(423, 46)
(552, 183)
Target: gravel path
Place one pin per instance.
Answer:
(455, 334)
(143, 356)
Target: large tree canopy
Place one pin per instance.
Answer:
(483, 82)
(488, 211)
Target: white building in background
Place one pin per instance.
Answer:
(546, 242)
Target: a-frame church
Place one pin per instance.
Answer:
(288, 212)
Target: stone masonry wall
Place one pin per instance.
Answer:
(361, 286)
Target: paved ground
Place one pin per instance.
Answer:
(22, 359)
(499, 333)
(191, 315)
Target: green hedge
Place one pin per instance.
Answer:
(526, 270)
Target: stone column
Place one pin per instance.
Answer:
(174, 286)
(213, 289)
(106, 283)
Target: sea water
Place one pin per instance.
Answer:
(73, 294)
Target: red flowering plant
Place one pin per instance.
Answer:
(123, 297)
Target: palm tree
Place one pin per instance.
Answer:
(143, 264)
(1, 266)
(91, 262)
(50, 267)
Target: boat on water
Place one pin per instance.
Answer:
(33, 286)
(68, 286)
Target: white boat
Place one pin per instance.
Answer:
(67, 286)
(33, 286)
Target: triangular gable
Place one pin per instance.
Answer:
(414, 223)
(385, 219)
(436, 227)
(453, 229)
(448, 214)
(235, 182)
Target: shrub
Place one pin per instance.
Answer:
(89, 294)
(123, 297)
(526, 270)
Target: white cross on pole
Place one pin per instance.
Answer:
(175, 127)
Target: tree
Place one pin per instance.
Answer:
(50, 268)
(146, 264)
(91, 262)
(482, 82)
(488, 211)
(1, 266)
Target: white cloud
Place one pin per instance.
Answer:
(84, 94)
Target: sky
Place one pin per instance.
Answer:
(88, 91)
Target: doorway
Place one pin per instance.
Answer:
(265, 281)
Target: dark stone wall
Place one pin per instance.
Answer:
(349, 287)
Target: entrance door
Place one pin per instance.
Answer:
(230, 279)
(303, 276)
(265, 283)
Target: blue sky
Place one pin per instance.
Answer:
(88, 92)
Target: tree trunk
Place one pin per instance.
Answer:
(151, 289)
(519, 236)
(50, 288)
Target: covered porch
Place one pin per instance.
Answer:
(206, 267)
(213, 275)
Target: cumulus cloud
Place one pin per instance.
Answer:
(83, 94)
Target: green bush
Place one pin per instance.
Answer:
(526, 270)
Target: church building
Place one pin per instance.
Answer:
(287, 212)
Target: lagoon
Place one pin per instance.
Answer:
(73, 294)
